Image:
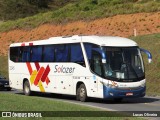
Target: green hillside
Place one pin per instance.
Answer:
(14, 9)
(82, 10)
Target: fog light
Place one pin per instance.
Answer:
(111, 94)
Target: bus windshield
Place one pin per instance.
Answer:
(123, 64)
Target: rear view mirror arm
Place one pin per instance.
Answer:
(148, 54)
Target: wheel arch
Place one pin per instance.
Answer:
(24, 80)
(78, 84)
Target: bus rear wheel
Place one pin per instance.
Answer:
(26, 88)
(82, 93)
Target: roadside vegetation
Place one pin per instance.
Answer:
(14, 9)
(4, 66)
(151, 43)
(75, 10)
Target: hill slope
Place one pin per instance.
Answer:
(84, 10)
(120, 25)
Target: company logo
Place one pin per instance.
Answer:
(62, 69)
(39, 75)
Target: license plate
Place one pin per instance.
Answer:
(129, 94)
(6, 86)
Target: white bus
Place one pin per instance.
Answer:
(86, 66)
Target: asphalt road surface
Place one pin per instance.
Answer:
(134, 104)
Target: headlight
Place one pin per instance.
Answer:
(143, 84)
(110, 85)
(113, 86)
(6, 83)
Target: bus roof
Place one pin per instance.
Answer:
(99, 40)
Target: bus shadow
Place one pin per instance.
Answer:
(97, 100)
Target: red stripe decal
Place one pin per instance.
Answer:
(23, 44)
(39, 75)
(29, 67)
(37, 65)
(30, 44)
(45, 74)
(47, 80)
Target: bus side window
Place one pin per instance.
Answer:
(36, 55)
(26, 54)
(61, 53)
(96, 63)
(15, 54)
(93, 53)
(48, 53)
(76, 54)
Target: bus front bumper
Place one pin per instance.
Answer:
(119, 93)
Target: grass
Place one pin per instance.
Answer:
(4, 66)
(83, 10)
(15, 102)
(151, 43)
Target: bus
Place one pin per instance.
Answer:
(84, 66)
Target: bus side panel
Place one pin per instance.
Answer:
(62, 78)
(17, 72)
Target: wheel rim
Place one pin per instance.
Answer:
(82, 92)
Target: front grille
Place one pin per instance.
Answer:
(129, 88)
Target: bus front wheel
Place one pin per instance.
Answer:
(26, 88)
(82, 93)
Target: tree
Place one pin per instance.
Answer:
(14, 9)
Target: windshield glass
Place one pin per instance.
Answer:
(123, 64)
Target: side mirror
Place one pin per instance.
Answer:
(148, 54)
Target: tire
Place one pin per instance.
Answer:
(26, 88)
(77, 94)
(9, 89)
(82, 93)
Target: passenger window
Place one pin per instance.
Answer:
(48, 54)
(76, 54)
(36, 54)
(15, 54)
(61, 53)
(26, 54)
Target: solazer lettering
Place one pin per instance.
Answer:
(62, 69)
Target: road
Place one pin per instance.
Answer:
(135, 104)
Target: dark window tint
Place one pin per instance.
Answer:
(76, 54)
(26, 54)
(36, 54)
(15, 54)
(61, 53)
(48, 53)
(94, 57)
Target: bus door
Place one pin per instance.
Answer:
(96, 67)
